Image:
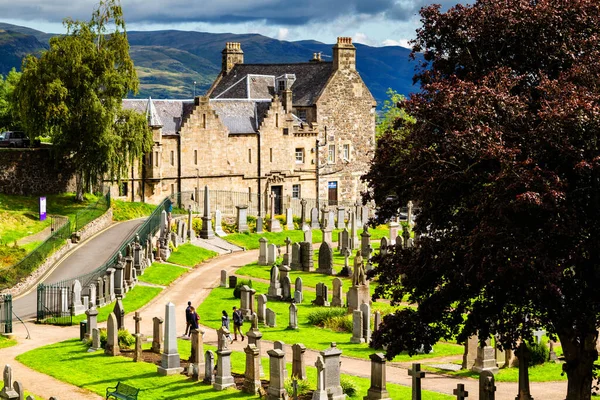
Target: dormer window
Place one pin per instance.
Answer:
(285, 82)
(281, 85)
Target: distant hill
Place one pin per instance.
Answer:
(168, 62)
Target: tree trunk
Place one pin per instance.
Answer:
(580, 354)
(79, 186)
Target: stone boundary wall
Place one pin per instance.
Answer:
(88, 231)
(33, 172)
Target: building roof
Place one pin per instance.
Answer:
(167, 113)
(257, 81)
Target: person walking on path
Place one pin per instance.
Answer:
(188, 320)
(225, 323)
(238, 321)
(194, 318)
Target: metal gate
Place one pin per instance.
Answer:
(6, 313)
(54, 305)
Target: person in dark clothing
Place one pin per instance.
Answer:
(238, 321)
(188, 319)
(194, 318)
(225, 323)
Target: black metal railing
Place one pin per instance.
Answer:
(5, 313)
(91, 212)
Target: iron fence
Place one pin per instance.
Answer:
(6, 313)
(91, 212)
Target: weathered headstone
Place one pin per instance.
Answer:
(308, 236)
(137, 319)
(252, 374)
(314, 218)
(523, 355)
(8, 392)
(209, 366)
(470, 353)
(326, 232)
(99, 292)
(170, 361)
(298, 364)
(191, 234)
(270, 318)
(354, 232)
(485, 360)
(255, 338)
(137, 355)
(261, 309)
(242, 219)
(306, 256)
(289, 219)
(271, 254)
(207, 231)
(223, 378)
(157, 332)
(393, 229)
(303, 214)
(219, 224)
(119, 312)
(293, 317)
(224, 278)
(337, 300)
(262, 251)
(331, 358)
(460, 392)
(77, 305)
(322, 298)
(359, 291)
(119, 276)
(341, 218)
(246, 301)
(320, 393)
(287, 256)
(286, 288)
(365, 309)
(277, 376)
(95, 340)
(378, 390)
(487, 386)
(274, 284)
(416, 374)
(298, 295)
(18, 386)
(92, 295)
(357, 327)
(330, 220)
(274, 225)
(92, 321)
(295, 263)
(325, 259)
(279, 345)
(112, 341)
(344, 240)
(377, 320)
(197, 355)
(383, 246)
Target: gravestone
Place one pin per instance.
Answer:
(365, 242)
(259, 224)
(191, 234)
(119, 276)
(406, 237)
(279, 345)
(137, 355)
(416, 374)
(92, 321)
(298, 364)
(270, 318)
(287, 255)
(100, 291)
(485, 360)
(209, 367)
(378, 390)
(95, 340)
(271, 254)
(197, 355)
(341, 218)
(460, 392)
(383, 246)
(296, 264)
(308, 236)
(320, 393)
(109, 286)
(252, 383)
(286, 288)
(206, 232)
(365, 309)
(289, 219)
(262, 251)
(344, 240)
(170, 361)
(303, 223)
(111, 347)
(276, 389)
(314, 218)
(331, 359)
(242, 219)
(255, 338)
(306, 256)
(219, 224)
(119, 312)
(129, 268)
(274, 284)
(357, 327)
(246, 300)
(337, 300)
(353, 232)
(223, 378)
(487, 386)
(359, 291)
(18, 386)
(346, 271)
(157, 332)
(293, 317)
(224, 279)
(298, 295)
(77, 305)
(330, 220)
(325, 259)
(377, 321)
(261, 309)
(8, 392)
(470, 353)
(322, 298)
(326, 233)
(137, 319)
(274, 225)
(92, 295)
(523, 355)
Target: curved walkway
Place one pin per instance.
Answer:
(195, 286)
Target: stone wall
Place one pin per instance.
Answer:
(33, 172)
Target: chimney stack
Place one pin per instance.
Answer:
(344, 54)
(232, 55)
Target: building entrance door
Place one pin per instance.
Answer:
(277, 191)
(333, 193)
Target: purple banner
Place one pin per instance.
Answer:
(42, 208)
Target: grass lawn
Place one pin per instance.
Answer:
(546, 372)
(137, 297)
(190, 255)
(6, 342)
(126, 210)
(70, 362)
(311, 336)
(162, 274)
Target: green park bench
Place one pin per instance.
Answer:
(122, 391)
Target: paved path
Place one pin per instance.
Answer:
(84, 258)
(195, 286)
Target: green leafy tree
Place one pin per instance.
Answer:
(9, 118)
(391, 112)
(73, 93)
(504, 162)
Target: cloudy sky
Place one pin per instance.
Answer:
(373, 22)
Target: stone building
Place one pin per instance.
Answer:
(300, 130)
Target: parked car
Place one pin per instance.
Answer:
(14, 139)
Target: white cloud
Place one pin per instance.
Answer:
(400, 42)
(283, 33)
(360, 37)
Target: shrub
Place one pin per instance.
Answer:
(303, 387)
(320, 316)
(539, 352)
(237, 292)
(197, 225)
(126, 339)
(340, 324)
(348, 386)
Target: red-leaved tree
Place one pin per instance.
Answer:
(504, 162)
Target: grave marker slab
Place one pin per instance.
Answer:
(170, 361)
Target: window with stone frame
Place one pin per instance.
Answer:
(331, 154)
(281, 85)
(172, 157)
(346, 152)
(295, 191)
(302, 114)
(299, 156)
